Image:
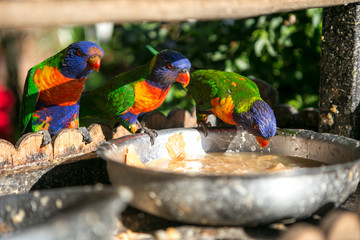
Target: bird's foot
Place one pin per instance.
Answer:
(86, 135)
(46, 138)
(152, 134)
(205, 126)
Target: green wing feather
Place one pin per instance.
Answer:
(105, 103)
(202, 88)
(31, 91)
(206, 85)
(29, 100)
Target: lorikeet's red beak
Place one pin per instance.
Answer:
(262, 142)
(94, 63)
(183, 77)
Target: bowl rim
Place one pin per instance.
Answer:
(325, 169)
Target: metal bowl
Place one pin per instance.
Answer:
(237, 199)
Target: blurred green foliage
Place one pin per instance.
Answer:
(282, 49)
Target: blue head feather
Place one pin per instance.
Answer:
(259, 120)
(168, 65)
(75, 63)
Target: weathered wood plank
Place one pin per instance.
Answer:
(99, 133)
(154, 120)
(68, 142)
(176, 118)
(181, 118)
(29, 150)
(119, 132)
(7, 151)
(52, 13)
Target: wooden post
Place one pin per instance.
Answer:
(339, 71)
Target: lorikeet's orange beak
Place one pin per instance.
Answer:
(94, 63)
(262, 142)
(183, 77)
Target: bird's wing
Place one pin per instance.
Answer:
(29, 99)
(203, 88)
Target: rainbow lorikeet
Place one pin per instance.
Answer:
(133, 93)
(53, 89)
(234, 99)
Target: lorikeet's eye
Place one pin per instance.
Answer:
(256, 127)
(79, 52)
(169, 65)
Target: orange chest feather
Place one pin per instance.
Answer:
(147, 97)
(223, 109)
(55, 89)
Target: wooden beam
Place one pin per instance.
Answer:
(36, 13)
(339, 72)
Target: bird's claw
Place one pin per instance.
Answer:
(46, 138)
(86, 135)
(152, 134)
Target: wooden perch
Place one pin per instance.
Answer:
(68, 143)
(32, 13)
(29, 150)
(7, 151)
